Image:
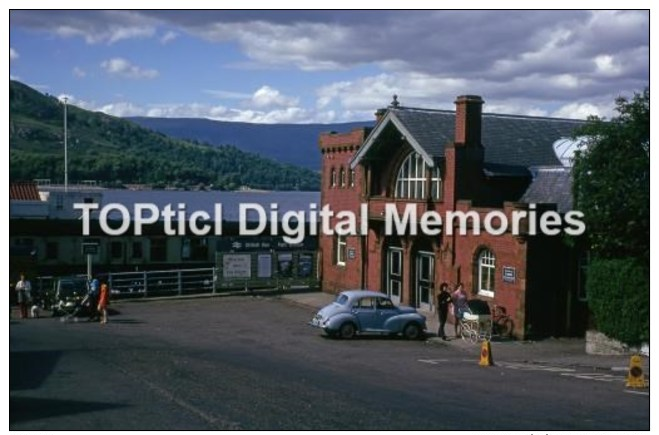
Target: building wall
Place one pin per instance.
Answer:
(337, 150)
(530, 300)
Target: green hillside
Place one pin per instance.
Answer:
(115, 151)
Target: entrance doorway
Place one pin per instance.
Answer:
(425, 279)
(394, 274)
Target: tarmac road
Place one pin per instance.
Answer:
(253, 363)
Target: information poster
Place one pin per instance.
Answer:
(236, 266)
(264, 269)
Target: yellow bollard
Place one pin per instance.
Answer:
(635, 376)
(486, 354)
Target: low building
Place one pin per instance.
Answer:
(443, 161)
(46, 232)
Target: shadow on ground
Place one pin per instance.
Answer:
(28, 370)
(23, 409)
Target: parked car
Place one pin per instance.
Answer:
(364, 311)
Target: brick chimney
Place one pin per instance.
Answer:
(468, 109)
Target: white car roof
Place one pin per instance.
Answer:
(362, 293)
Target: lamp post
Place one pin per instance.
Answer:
(66, 159)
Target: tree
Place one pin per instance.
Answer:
(612, 188)
(612, 180)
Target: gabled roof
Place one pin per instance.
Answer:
(25, 191)
(507, 139)
(550, 185)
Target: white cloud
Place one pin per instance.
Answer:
(607, 65)
(198, 110)
(266, 96)
(123, 68)
(168, 37)
(121, 109)
(581, 111)
(79, 72)
(13, 54)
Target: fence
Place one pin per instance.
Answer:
(191, 281)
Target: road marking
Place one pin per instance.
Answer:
(534, 367)
(433, 361)
(596, 377)
(563, 371)
(640, 393)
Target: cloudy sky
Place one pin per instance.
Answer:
(330, 66)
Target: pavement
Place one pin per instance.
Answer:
(550, 352)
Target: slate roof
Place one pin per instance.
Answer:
(507, 139)
(25, 191)
(550, 185)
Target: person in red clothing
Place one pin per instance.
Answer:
(103, 302)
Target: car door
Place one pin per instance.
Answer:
(364, 311)
(385, 310)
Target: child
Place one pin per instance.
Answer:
(103, 302)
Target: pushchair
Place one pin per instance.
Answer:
(476, 321)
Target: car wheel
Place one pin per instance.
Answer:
(347, 330)
(412, 331)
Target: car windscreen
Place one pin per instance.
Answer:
(341, 299)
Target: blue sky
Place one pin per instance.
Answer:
(330, 66)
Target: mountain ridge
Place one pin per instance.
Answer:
(295, 144)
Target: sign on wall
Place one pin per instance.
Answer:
(508, 274)
(236, 266)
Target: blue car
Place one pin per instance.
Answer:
(363, 311)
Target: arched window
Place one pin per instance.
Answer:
(411, 182)
(342, 177)
(352, 178)
(486, 264)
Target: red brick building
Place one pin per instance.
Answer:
(447, 161)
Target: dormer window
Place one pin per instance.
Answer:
(412, 180)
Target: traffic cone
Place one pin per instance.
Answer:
(486, 354)
(635, 376)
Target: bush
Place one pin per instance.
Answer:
(619, 297)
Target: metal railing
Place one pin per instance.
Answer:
(180, 282)
(162, 282)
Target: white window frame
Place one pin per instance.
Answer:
(342, 177)
(341, 249)
(486, 270)
(333, 178)
(412, 179)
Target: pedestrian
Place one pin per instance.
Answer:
(443, 301)
(23, 293)
(93, 299)
(103, 302)
(459, 299)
